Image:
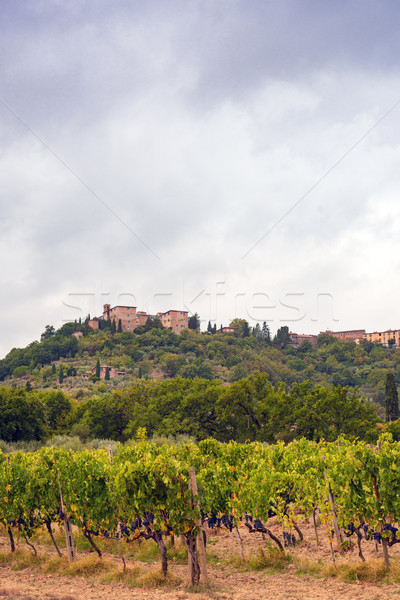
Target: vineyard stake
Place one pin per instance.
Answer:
(67, 526)
(200, 537)
(315, 525)
(338, 533)
(240, 542)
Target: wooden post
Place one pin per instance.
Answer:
(202, 550)
(338, 533)
(239, 542)
(315, 525)
(68, 529)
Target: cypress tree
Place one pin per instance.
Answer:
(61, 375)
(119, 326)
(107, 375)
(98, 368)
(391, 398)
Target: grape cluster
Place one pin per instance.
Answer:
(288, 539)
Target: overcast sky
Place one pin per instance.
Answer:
(235, 158)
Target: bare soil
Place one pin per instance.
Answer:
(303, 575)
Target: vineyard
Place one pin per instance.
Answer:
(146, 491)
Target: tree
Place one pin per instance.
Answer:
(282, 337)
(22, 415)
(61, 375)
(113, 327)
(171, 364)
(194, 322)
(209, 327)
(257, 332)
(57, 409)
(246, 329)
(119, 326)
(266, 334)
(107, 374)
(241, 327)
(391, 398)
(98, 368)
(48, 333)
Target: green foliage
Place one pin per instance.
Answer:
(48, 332)
(282, 338)
(20, 371)
(22, 415)
(194, 322)
(159, 352)
(103, 492)
(241, 327)
(391, 398)
(58, 408)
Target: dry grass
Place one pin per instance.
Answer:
(21, 559)
(156, 579)
(10, 593)
(371, 571)
(265, 559)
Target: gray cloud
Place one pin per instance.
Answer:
(200, 125)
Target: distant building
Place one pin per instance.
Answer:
(226, 330)
(130, 318)
(352, 335)
(77, 334)
(384, 337)
(296, 339)
(113, 372)
(94, 323)
(177, 320)
(125, 314)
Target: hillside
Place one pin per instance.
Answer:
(159, 353)
(108, 385)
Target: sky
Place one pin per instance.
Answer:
(234, 158)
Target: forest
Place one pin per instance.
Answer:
(242, 386)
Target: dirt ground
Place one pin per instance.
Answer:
(228, 581)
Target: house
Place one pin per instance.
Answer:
(125, 314)
(94, 323)
(384, 337)
(112, 370)
(226, 330)
(177, 320)
(352, 335)
(296, 339)
(130, 318)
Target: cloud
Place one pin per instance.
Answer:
(196, 128)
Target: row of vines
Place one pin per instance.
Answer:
(143, 490)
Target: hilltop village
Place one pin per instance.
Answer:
(127, 318)
(388, 338)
